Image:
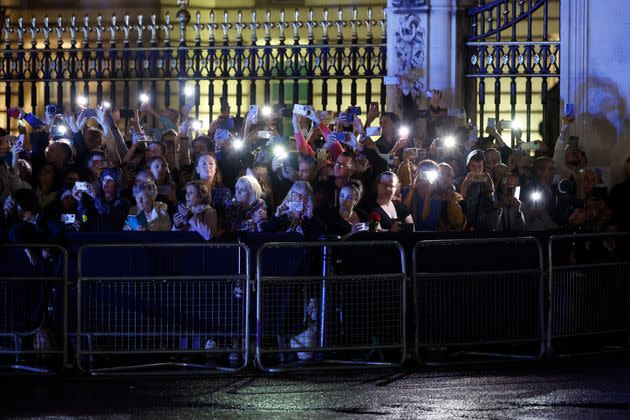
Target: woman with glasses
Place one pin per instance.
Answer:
(295, 213)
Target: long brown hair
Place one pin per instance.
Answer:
(217, 180)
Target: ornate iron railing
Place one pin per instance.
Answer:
(503, 45)
(234, 57)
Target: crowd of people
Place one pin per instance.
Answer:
(105, 169)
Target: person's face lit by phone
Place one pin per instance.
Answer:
(547, 173)
(193, 198)
(446, 177)
(206, 168)
(109, 186)
(307, 171)
(387, 125)
(153, 150)
(159, 170)
(386, 187)
(347, 198)
(343, 167)
(145, 201)
(144, 176)
(243, 194)
(492, 157)
(475, 166)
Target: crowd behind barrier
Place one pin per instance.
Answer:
(146, 181)
(195, 306)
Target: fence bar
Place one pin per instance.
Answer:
(34, 306)
(350, 319)
(199, 320)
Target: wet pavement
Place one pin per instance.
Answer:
(581, 388)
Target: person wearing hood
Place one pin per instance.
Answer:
(103, 210)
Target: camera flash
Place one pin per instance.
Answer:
(196, 125)
(536, 196)
(144, 98)
(449, 141)
(189, 91)
(266, 111)
(61, 129)
(403, 131)
(432, 176)
(82, 101)
(238, 144)
(106, 105)
(279, 152)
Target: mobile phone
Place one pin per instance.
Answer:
(422, 153)
(345, 117)
(126, 113)
(391, 80)
(373, 131)
(142, 219)
(53, 109)
(354, 110)
(456, 113)
(68, 218)
(492, 122)
(82, 186)
(221, 134)
(363, 227)
(573, 141)
(89, 113)
(410, 152)
(302, 110)
(569, 111)
(295, 206)
(227, 123)
(252, 115)
(132, 222)
(264, 134)
(506, 124)
(517, 193)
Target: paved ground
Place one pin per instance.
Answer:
(583, 388)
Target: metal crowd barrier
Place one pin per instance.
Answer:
(479, 298)
(146, 309)
(34, 308)
(323, 304)
(589, 289)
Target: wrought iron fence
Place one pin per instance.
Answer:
(279, 59)
(510, 41)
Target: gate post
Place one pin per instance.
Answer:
(425, 47)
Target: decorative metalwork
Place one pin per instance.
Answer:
(155, 52)
(494, 57)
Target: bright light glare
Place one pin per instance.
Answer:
(106, 105)
(61, 129)
(189, 91)
(196, 125)
(516, 125)
(449, 141)
(144, 98)
(403, 131)
(82, 101)
(238, 144)
(536, 196)
(280, 152)
(266, 111)
(432, 176)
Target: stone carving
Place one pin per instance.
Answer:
(408, 4)
(410, 53)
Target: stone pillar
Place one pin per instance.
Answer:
(425, 43)
(594, 63)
